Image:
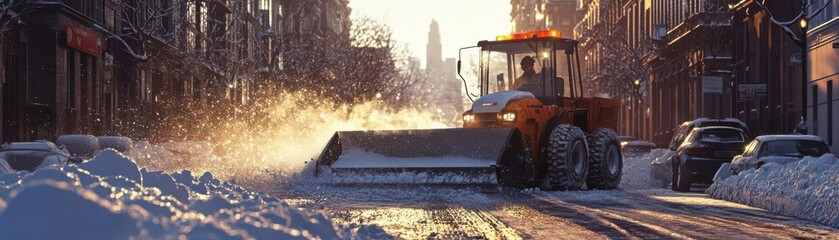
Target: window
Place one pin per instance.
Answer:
(109, 19)
(830, 112)
(721, 136)
(794, 148)
(815, 120)
(71, 79)
(145, 86)
(749, 150)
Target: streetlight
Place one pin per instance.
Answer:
(804, 82)
(637, 104)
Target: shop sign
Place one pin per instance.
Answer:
(751, 91)
(84, 40)
(712, 85)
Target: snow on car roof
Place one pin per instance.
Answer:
(37, 145)
(765, 138)
(717, 128)
(698, 121)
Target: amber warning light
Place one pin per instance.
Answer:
(534, 34)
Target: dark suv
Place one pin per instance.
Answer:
(661, 167)
(702, 153)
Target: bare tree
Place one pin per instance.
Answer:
(800, 39)
(789, 24)
(141, 20)
(11, 11)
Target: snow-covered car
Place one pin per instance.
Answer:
(79, 145)
(33, 155)
(661, 169)
(702, 153)
(781, 149)
(119, 143)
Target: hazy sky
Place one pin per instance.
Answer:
(462, 22)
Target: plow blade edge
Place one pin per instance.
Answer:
(458, 155)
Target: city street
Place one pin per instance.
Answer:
(428, 212)
(637, 210)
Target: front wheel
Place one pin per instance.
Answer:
(605, 159)
(567, 159)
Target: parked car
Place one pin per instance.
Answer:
(702, 153)
(661, 170)
(634, 147)
(33, 155)
(780, 149)
(79, 145)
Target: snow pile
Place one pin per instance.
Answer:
(636, 170)
(110, 198)
(807, 189)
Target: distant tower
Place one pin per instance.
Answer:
(434, 50)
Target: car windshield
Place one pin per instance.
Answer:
(720, 136)
(795, 148)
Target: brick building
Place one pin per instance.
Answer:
(53, 72)
(822, 71)
(767, 68)
(119, 67)
(690, 74)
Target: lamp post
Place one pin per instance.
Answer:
(637, 103)
(804, 83)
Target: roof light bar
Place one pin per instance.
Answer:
(533, 34)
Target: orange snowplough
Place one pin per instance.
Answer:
(543, 133)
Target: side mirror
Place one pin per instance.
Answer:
(458, 66)
(500, 79)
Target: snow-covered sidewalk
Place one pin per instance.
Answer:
(807, 189)
(110, 197)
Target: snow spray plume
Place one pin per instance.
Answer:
(281, 133)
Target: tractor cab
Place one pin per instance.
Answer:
(557, 70)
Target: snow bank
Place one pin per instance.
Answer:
(807, 189)
(636, 171)
(110, 198)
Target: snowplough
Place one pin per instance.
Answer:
(526, 129)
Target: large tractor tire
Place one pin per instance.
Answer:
(605, 160)
(567, 159)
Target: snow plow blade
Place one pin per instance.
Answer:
(427, 156)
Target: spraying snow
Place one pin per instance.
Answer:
(277, 135)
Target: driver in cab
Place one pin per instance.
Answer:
(529, 79)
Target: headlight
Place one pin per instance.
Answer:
(508, 117)
(468, 117)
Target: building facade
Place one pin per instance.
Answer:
(822, 72)
(128, 66)
(767, 68)
(53, 72)
(534, 15)
(690, 71)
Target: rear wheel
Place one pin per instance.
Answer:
(681, 182)
(606, 162)
(567, 159)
